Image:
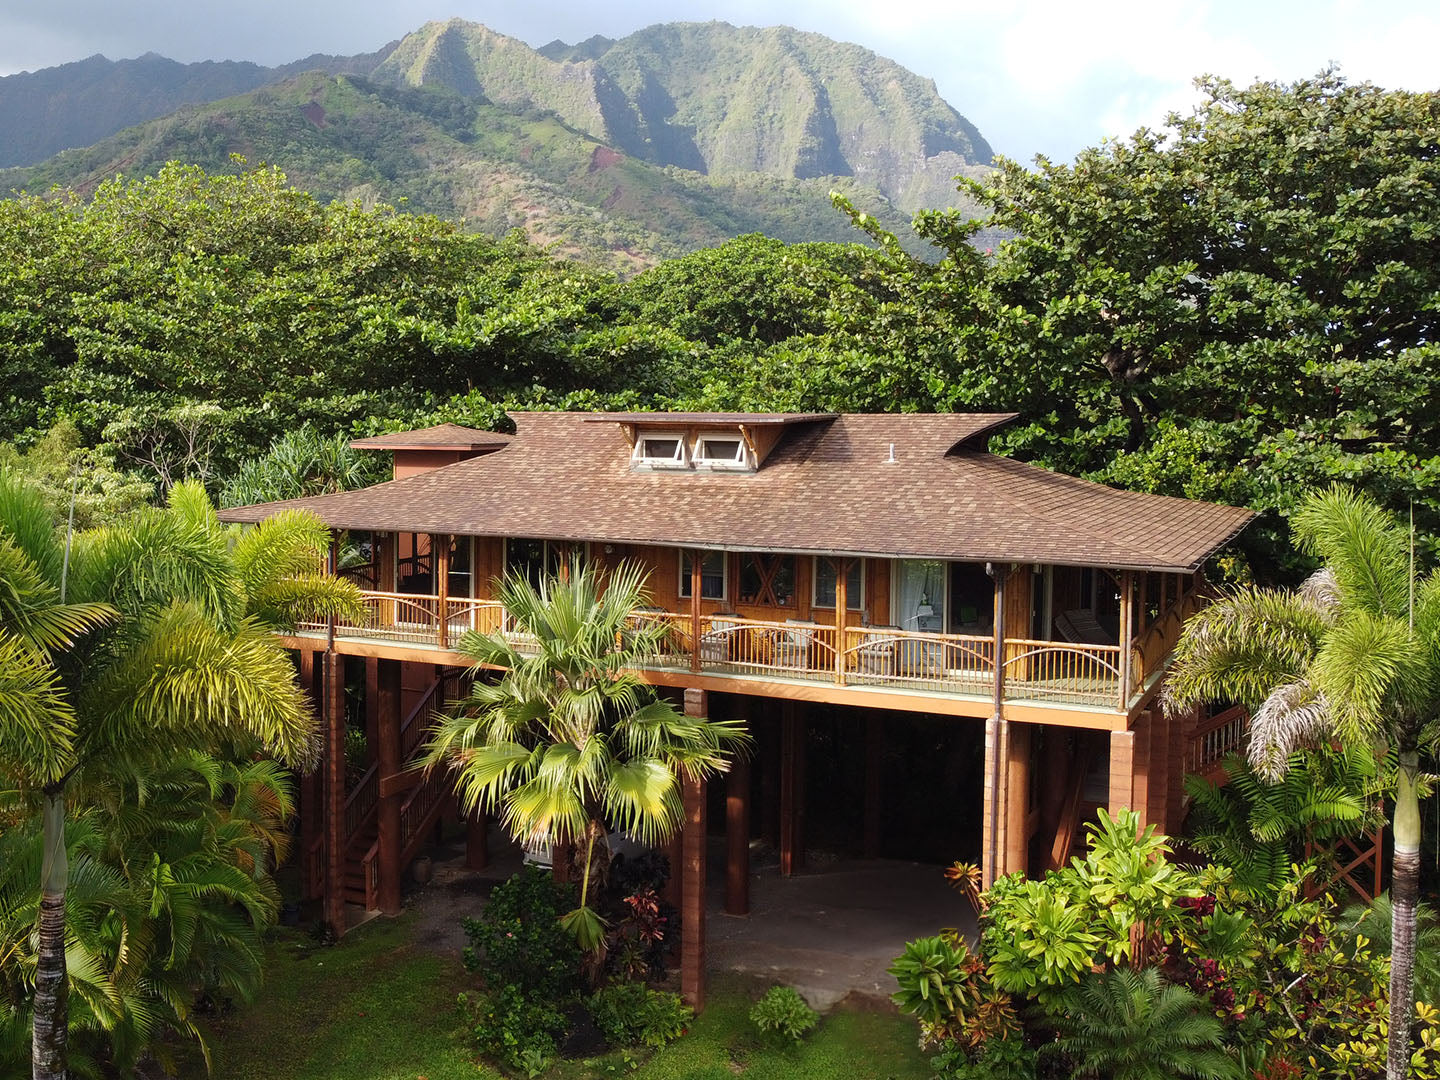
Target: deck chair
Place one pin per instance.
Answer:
(1078, 626)
(792, 645)
(716, 643)
(876, 655)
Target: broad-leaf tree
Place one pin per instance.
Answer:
(129, 645)
(569, 744)
(1353, 655)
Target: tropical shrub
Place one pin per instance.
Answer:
(518, 942)
(782, 1013)
(1128, 1025)
(515, 1028)
(631, 1014)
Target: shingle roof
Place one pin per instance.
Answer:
(829, 487)
(439, 437)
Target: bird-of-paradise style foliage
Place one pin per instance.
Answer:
(127, 647)
(569, 743)
(1353, 655)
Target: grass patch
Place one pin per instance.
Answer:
(376, 1007)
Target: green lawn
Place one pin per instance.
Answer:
(375, 1007)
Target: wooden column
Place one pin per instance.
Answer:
(477, 841)
(1017, 799)
(1127, 634)
(1182, 730)
(387, 702)
(792, 789)
(1159, 771)
(842, 601)
(992, 816)
(1140, 785)
(335, 792)
(695, 560)
(737, 838)
(1122, 771)
(372, 708)
(767, 739)
(692, 919)
(874, 783)
(312, 784)
(440, 560)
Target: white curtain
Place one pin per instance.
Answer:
(920, 595)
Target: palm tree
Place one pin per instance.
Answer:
(138, 642)
(1123, 1024)
(570, 743)
(1353, 655)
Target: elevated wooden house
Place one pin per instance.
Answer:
(875, 566)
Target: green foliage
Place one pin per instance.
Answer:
(782, 1013)
(1007, 1058)
(519, 1029)
(300, 463)
(631, 1014)
(518, 941)
(59, 465)
(1127, 1025)
(1259, 828)
(934, 978)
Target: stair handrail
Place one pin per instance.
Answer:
(362, 801)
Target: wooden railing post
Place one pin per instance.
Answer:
(999, 573)
(1127, 633)
(332, 567)
(440, 549)
(695, 560)
(842, 601)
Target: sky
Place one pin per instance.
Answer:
(1035, 76)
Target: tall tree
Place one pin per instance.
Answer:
(1352, 655)
(135, 643)
(569, 743)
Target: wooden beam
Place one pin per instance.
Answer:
(842, 587)
(1017, 799)
(692, 918)
(387, 683)
(1158, 772)
(1127, 632)
(440, 560)
(992, 816)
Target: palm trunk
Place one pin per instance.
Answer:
(1404, 894)
(52, 1009)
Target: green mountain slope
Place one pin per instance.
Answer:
(498, 168)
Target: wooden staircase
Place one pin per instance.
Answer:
(423, 804)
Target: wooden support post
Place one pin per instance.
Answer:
(1122, 771)
(335, 792)
(1017, 799)
(1158, 772)
(692, 920)
(332, 567)
(792, 789)
(477, 841)
(372, 708)
(388, 763)
(312, 784)
(440, 560)
(874, 783)
(842, 601)
(737, 838)
(768, 744)
(695, 582)
(992, 816)
(1140, 786)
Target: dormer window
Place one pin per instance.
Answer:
(660, 450)
(722, 451)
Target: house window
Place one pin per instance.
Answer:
(537, 558)
(720, 452)
(360, 559)
(712, 575)
(767, 580)
(414, 565)
(460, 581)
(660, 451)
(825, 584)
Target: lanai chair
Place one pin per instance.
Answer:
(717, 643)
(793, 644)
(876, 654)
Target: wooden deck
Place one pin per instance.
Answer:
(849, 664)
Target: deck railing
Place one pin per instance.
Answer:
(1149, 651)
(861, 656)
(1215, 739)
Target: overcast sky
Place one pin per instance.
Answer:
(1036, 76)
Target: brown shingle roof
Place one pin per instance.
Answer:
(828, 487)
(439, 437)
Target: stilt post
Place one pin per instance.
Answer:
(692, 931)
